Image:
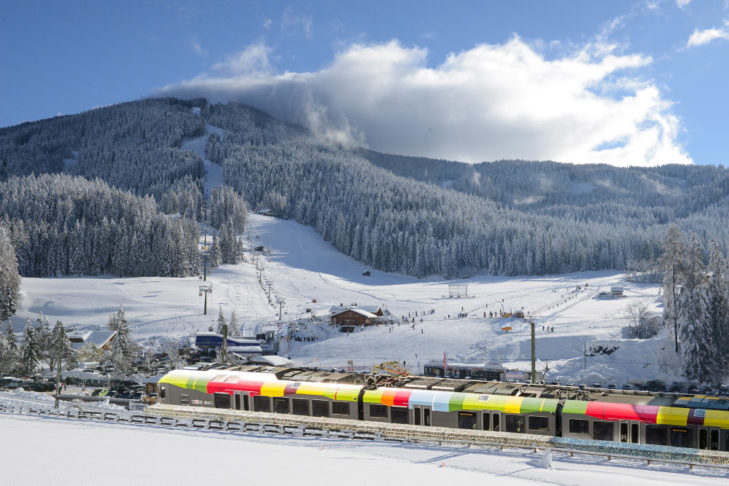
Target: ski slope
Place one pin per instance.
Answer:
(303, 272)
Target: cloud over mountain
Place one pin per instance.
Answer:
(502, 101)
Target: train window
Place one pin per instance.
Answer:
(495, 418)
(416, 416)
(378, 411)
(623, 432)
(222, 400)
(399, 415)
(602, 430)
(261, 404)
(237, 401)
(656, 435)
(726, 440)
(680, 437)
(515, 423)
(246, 405)
(340, 408)
(579, 426)
(634, 432)
(280, 405)
(486, 421)
(538, 423)
(162, 392)
(426, 419)
(467, 420)
(301, 407)
(320, 408)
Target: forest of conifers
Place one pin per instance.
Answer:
(82, 194)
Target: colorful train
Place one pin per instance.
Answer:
(613, 415)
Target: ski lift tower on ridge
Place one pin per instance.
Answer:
(457, 291)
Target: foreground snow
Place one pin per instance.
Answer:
(307, 273)
(51, 451)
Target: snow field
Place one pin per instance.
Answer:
(94, 453)
(308, 273)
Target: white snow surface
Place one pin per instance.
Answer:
(302, 269)
(197, 145)
(55, 451)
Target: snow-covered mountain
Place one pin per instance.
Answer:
(399, 214)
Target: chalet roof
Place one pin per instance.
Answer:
(99, 338)
(357, 310)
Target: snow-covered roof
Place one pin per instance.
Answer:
(359, 311)
(99, 338)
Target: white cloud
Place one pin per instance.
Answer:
(291, 21)
(251, 61)
(701, 37)
(267, 24)
(503, 101)
(197, 47)
(682, 3)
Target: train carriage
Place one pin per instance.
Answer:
(609, 415)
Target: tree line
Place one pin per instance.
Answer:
(696, 305)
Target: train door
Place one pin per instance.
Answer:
(635, 433)
(241, 401)
(629, 432)
(709, 438)
(421, 416)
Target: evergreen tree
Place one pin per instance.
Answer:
(672, 263)
(121, 349)
(29, 349)
(221, 322)
(693, 318)
(9, 277)
(718, 302)
(62, 349)
(9, 362)
(234, 327)
(44, 338)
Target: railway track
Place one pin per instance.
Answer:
(257, 423)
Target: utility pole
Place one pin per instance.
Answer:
(280, 304)
(206, 289)
(534, 354)
(58, 379)
(224, 346)
(205, 265)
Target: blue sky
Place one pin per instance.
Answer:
(623, 82)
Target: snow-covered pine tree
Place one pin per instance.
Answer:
(718, 296)
(62, 349)
(214, 257)
(29, 349)
(233, 325)
(9, 277)
(44, 338)
(693, 318)
(672, 263)
(9, 362)
(221, 322)
(121, 353)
